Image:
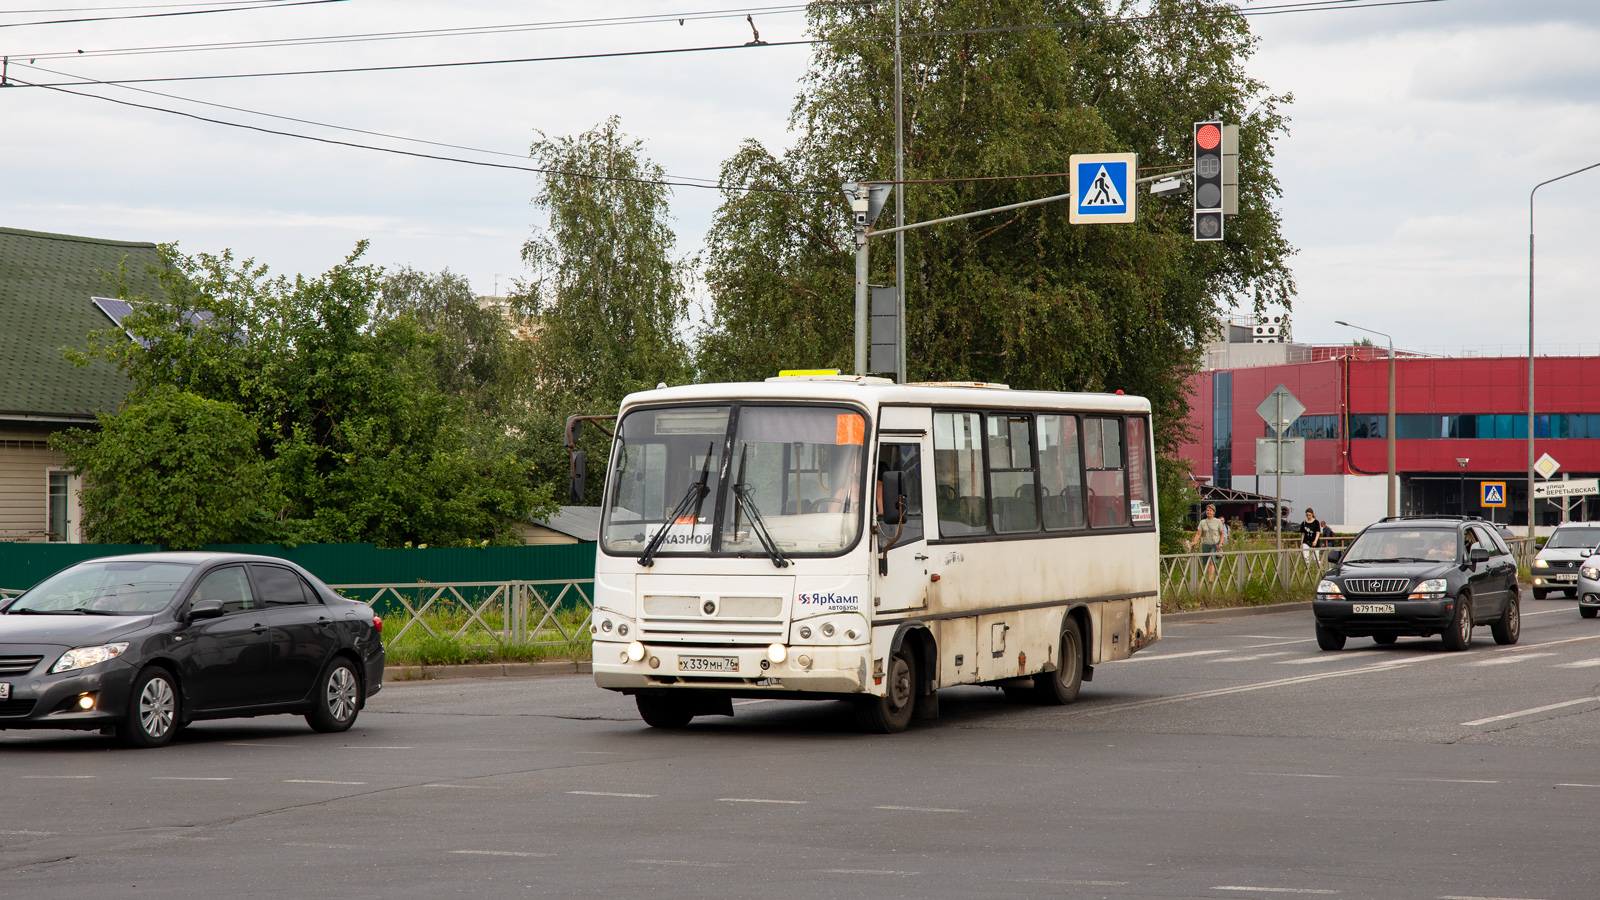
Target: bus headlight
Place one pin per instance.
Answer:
(635, 651)
(777, 653)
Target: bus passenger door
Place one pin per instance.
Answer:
(902, 574)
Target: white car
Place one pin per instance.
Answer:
(1556, 567)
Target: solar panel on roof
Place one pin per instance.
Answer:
(117, 310)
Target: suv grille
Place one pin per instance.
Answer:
(1376, 585)
(18, 665)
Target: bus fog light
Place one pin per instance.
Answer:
(635, 651)
(655, 662)
(827, 629)
(777, 653)
(803, 660)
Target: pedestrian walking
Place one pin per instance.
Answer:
(1210, 534)
(1311, 538)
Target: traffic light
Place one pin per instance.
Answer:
(1208, 181)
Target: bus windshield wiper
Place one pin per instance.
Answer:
(742, 494)
(693, 498)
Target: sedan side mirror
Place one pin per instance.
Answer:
(205, 609)
(1334, 556)
(1478, 555)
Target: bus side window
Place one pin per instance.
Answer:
(1140, 505)
(962, 500)
(1013, 496)
(1108, 486)
(1060, 472)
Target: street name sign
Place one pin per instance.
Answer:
(1103, 188)
(1577, 487)
(1280, 409)
(1493, 494)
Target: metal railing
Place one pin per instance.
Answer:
(527, 613)
(8, 593)
(1236, 572)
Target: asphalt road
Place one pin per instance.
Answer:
(1232, 760)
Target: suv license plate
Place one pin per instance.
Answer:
(708, 664)
(5, 691)
(1372, 608)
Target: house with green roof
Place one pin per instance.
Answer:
(48, 286)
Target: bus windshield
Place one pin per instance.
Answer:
(784, 478)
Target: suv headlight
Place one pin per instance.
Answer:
(1540, 563)
(1327, 587)
(1431, 589)
(84, 657)
(1592, 573)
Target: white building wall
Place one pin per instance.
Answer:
(1346, 502)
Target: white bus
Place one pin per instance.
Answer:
(735, 560)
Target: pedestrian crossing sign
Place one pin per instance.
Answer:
(1103, 187)
(1494, 494)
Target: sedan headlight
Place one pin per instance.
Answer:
(84, 657)
(1541, 564)
(1592, 573)
(1327, 587)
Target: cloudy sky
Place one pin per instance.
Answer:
(1417, 132)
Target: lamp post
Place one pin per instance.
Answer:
(1462, 462)
(1394, 504)
(1530, 332)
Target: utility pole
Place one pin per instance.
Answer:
(899, 211)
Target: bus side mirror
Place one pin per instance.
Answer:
(1334, 556)
(894, 497)
(578, 479)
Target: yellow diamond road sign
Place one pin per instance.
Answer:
(1546, 466)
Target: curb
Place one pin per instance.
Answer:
(404, 674)
(1234, 612)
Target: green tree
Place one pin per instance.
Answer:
(1023, 297)
(609, 297)
(173, 468)
(366, 434)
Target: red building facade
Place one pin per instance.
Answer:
(1447, 409)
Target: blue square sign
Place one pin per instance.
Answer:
(1103, 187)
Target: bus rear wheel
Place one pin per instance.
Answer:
(891, 713)
(663, 712)
(1060, 687)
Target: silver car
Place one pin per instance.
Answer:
(1589, 587)
(1556, 567)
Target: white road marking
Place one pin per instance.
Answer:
(1545, 612)
(762, 700)
(248, 744)
(1070, 881)
(187, 778)
(465, 787)
(1580, 664)
(499, 853)
(1456, 897)
(317, 781)
(323, 846)
(866, 872)
(1326, 657)
(681, 862)
(920, 809)
(1249, 658)
(1509, 659)
(759, 800)
(1398, 663)
(607, 794)
(1293, 775)
(353, 747)
(1271, 890)
(1516, 647)
(1143, 658)
(1529, 712)
(598, 752)
(1279, 643)
(1579, 785)
(60, 776)
(33, 833)
(1450, 780)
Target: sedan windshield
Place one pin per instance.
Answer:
(783, 480)
(1404, 545)
(122, 588)
(1574, 539)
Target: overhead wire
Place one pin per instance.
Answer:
(274, 4)
(1276, 9)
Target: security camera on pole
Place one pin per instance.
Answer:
(866, 202)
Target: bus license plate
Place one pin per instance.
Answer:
(5, 691)
(708, 664)
(1372, 608)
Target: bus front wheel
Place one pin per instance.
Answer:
(1060, 687)
(891, 713)
(664, 712)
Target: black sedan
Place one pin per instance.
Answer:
(140, 646)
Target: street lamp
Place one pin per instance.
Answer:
(1394, 505)
(1462, 462)
(1530, 332)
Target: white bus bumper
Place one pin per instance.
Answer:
(827, 670)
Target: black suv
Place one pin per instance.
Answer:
(1420, 575)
